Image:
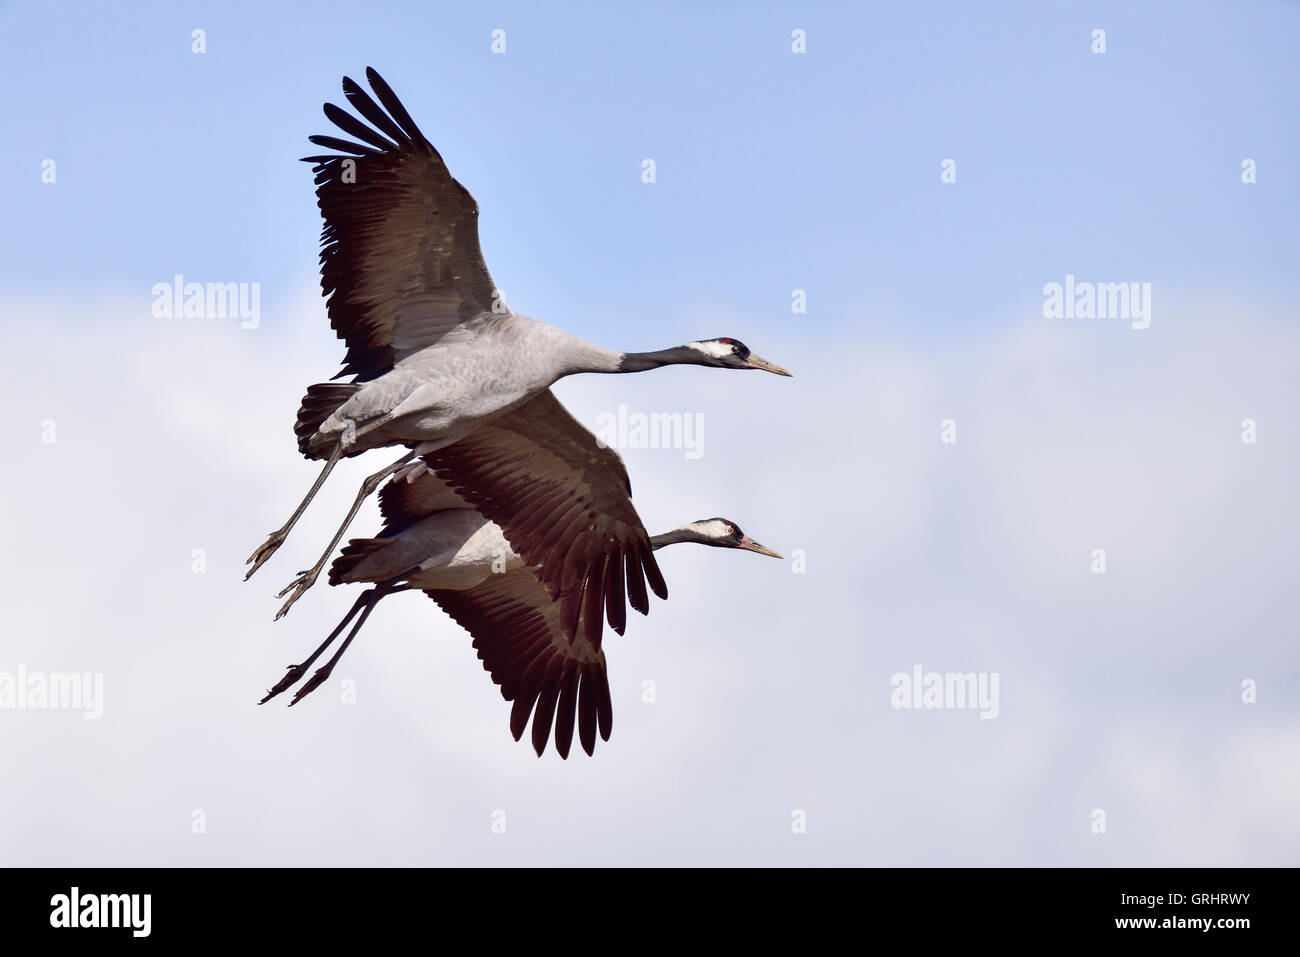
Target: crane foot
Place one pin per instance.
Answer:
(288, 681)
(319, 678)
(267, 549)
(298, 586)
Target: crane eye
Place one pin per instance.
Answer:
(730, 530)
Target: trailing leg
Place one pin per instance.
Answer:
(276, 539)
(365, 600)
(371, 598)
(308, 578)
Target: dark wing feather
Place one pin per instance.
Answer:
(400, 258)
(343, 146)
(364, 105)
(413, 494)
(516, 632)
(566, 708)
(350, 124)
(564, 503)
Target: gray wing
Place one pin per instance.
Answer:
(564, 503)
(516, 629)
(400, 258)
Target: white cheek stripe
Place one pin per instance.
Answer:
(713, 529)
(715, 349)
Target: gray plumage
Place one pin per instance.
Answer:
(436, 355)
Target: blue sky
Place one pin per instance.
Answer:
(775, 172)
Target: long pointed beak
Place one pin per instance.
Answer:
(758, 362)
(749, 545)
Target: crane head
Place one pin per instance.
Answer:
(731, 354)
(724, 533)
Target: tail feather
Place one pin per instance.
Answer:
(352, 555)
(319, 404)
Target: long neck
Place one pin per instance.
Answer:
(577, 355)
(563, 354)
(672, 538)
(585, 357)
(642, 361)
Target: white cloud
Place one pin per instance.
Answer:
(1118, 691)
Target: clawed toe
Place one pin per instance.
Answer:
(294, 674)
(302, 583)
(298, 586)
(318, 679)
(284, 609)
(263, 554)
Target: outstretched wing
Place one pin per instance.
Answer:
(517, 635)
(400, 257)
(564, 503)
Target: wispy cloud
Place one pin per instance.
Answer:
(771, 688)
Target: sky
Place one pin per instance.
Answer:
(1099, 512)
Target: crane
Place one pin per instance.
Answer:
(434, 353)
(434, 541)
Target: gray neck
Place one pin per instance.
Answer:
(585, 357)
(564, 354)
(582, 356)
(642, 361)
(672, 538)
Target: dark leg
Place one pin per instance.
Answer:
(323, 672)
(366, 600)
